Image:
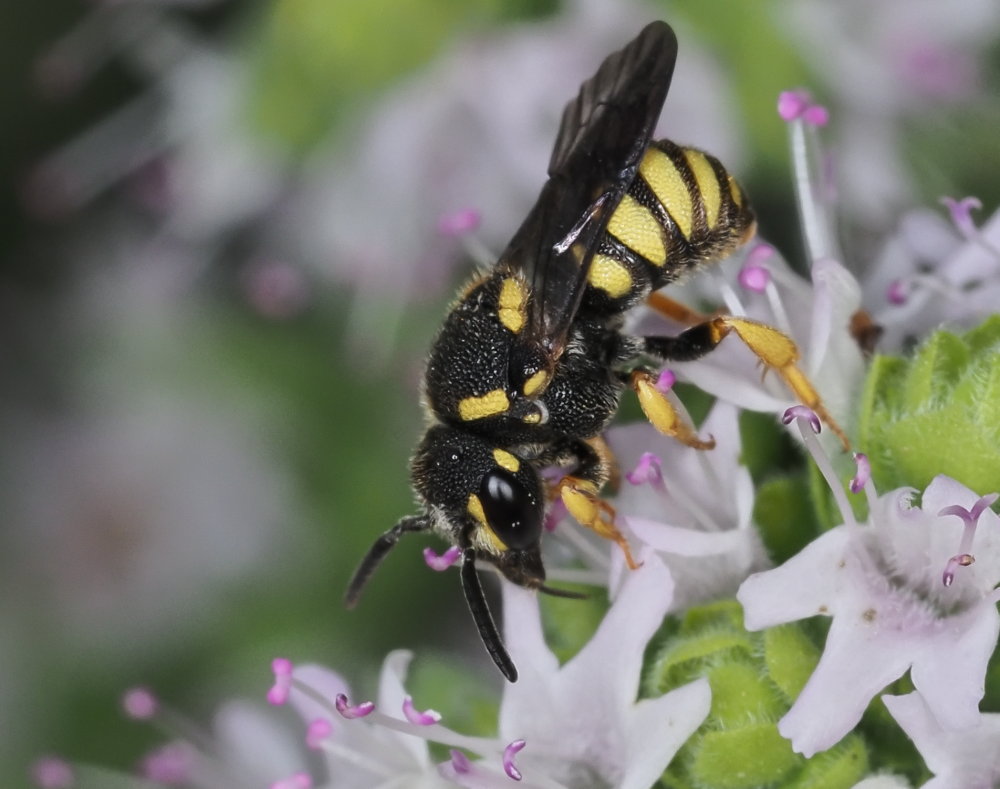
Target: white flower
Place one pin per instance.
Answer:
(816, 315)
(882, 583)
(932, 273)
(192, 120)
(581, 721)
(959, 759)
(578, 725)
(692, 507)
(366, 753)
(887, 64)
(136, 513)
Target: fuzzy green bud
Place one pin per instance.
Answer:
(755, 677)
(937, 412)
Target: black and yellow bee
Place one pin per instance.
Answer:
(531, 362)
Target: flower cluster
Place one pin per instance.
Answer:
(701, 672)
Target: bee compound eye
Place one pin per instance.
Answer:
(511, 509)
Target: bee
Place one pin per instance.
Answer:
(532, 361)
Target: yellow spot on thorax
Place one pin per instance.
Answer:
(535, 383)
(664, 179)
(708, 184)
(513, 297)
(489, 404)
(609, 275)
(635, 226)
(506, 460)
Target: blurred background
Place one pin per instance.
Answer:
(223, 260)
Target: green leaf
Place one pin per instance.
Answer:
(784, 516)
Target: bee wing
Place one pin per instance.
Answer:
(602, 136)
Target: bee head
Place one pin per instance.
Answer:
(483, 497)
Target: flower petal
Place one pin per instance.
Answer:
(686, 542)
(950, 672)
(392, 695)
(957, 759)
(657, 730)
(858, 661)
(803, 586)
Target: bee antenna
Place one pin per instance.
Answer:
(484, 619)
(378, 551)
(567, 593)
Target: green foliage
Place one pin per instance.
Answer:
(313, 60)
(754, 677)
(937, 412)
(784, 516)
(568, 623)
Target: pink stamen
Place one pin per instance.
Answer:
(351, 711)
(665, 381)
(959, 560)
(648, 469)
(798, 104)
(760, 254)
(804, 414)
(809, 426)
(444, 561)
(791, 104)
(460, 762)
(280, 690)
(508, 759)
(897, 292)
(458, 223)
(970, 520)
(961, 213)
(754, 278)
(317, 732)
(417, 718)
(171, 764)
(297, 781)
(863, 474)
(816, 115)
(140, 704)
(51, 772)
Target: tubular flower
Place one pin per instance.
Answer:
(881, 581)
(693, 508)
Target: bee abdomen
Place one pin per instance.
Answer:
(683, 209)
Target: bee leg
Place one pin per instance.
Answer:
(661, 413)
(674, 310)
(776, 350)
(480, 609)
(378, 552)
(579, 492)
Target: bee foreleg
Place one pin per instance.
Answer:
(579, 491)
(378, 552)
